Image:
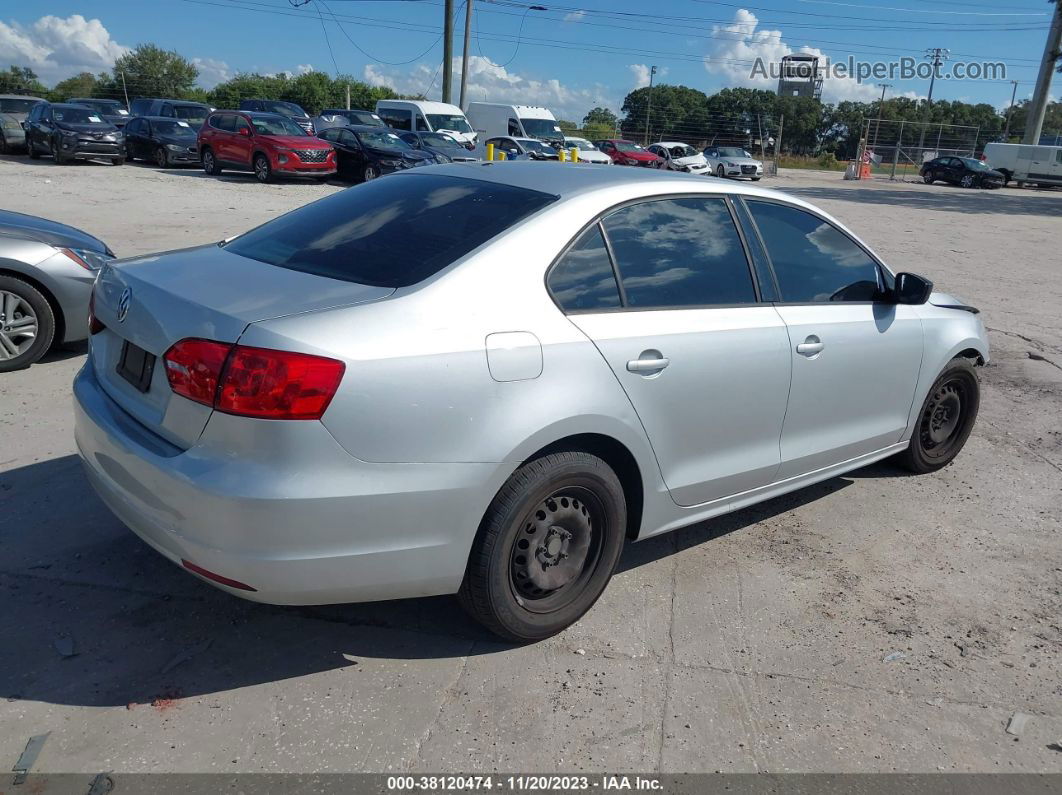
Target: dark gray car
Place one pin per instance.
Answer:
(46, 274)
(162, 141)
(14, 109)
(72, 132)
(110, 109)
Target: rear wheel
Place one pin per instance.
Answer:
(946, 420)
(27, 324)
(263, 172)
(546, 547)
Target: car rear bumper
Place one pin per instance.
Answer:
(294, 516)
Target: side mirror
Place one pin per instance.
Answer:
(911, 289)
(245, 132)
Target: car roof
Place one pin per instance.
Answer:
(160, 118)
(68, 105)
(669, 143)
(368, 128)
(21, 96)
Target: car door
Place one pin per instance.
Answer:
(703, 362)
(855, 355)
(242, 142)
(954, 169)
(350, 152)
(42, 130)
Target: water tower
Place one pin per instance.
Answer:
(800, 77)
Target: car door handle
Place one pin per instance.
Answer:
(649, 362)
(812, 346)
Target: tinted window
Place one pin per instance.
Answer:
(346, 137)
(679, 252)
(390, 232)
(583, 278)
(224, 121)
(813, 260)
(400, 119)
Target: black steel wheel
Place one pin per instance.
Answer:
(946, 419)
(547, 546)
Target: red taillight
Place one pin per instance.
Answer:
(216, 577)
(193, 368)
(95, 327)
(253, 382)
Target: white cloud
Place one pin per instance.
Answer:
(56, 48)
(738, 44)
(574, 16)
(641, 73)
(211, 72)
(488, 82)
(304, 68)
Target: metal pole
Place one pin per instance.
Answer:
(464, 55)
(778, 143)
(938, 54)
(649, 104)
(881, 111)
(1034, 124)
(1013, 94)
(448, 50)
(124, 91)
(896, 153)
(348, 96)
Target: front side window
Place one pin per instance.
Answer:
(392, 232)
(399, 119)
(679, 252)
(190, 113)
(813, 260)
(583, 278)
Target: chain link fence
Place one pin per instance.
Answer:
(896, 150)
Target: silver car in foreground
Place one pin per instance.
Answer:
(484, 379)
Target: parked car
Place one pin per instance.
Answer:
(414, 115)
(267, 144)
(46, 275)
(969, 172)
(164, 141)
(1038, 165)
(109, 109)
(14, 109)
(72, 132)
(628, 153)
(680, 157)
(365, 153)
(733, 161)
(521, 148)
(446, 381)
(339, 117)
(443, 147)
(289, 109)
(588, 153)
(194, 113)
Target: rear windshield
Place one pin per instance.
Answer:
(390, 232)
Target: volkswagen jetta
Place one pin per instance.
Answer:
(484, 379)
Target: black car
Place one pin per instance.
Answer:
(110, 109)
(164, 141)
(445, 148)
(969, 172)
(289, 109)
(365, 153)
(339, 117)
(72, 132)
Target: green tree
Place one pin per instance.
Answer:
(678, 112)
(80, 85)
(21, 80)
(150, 71)
(600, 116)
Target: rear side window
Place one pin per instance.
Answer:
(679, 252)
(390, 232)
(399, 119)
(223, 121)
(813, 260)
(583, 278)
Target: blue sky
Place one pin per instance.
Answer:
(569, 57)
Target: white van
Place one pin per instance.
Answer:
(1040, 165)
(493, 120)
(421, 116)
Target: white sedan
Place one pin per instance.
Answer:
(588, 153)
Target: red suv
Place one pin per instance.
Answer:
(628, 153)
(268, 144)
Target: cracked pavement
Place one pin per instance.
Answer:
(754, 642)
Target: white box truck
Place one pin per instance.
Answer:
(422, 116)
(1040, 165)
(495, 120)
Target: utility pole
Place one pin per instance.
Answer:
(1034, 123)
(464, 56)
(448, 50)
(649, 103)
(124, 91)
(881, 111)
(938, 55)
(1014, 93)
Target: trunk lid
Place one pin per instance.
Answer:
(203, 292)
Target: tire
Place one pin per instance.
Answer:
(210, 163)
(263, 172)
(720, 172)
(31, 150)
(929, 177)
(968, 181)
(162, 157)
(566, 512)
(58, 156)
(1006, 178)
(117, 161)
(756, 179)
(369, 172)
(24, 311)
(946, 419)
(129, 153)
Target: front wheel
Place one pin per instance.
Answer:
(929, 177)
(263, 172)
(720, 172)
(27, 324)
(946, 420)
(117, 161)
(968, 181)
(210, 163)
(31, 150)
(368, 173)
(162, 158)
(58, 156)
(546, 547)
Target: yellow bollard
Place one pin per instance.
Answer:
(501, 155)
(490, 151)
(574, 154)
(562, 155)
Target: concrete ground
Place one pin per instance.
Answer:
(876, 622)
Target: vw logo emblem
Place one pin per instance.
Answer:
(124, 300)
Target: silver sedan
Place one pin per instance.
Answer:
(485, 379)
